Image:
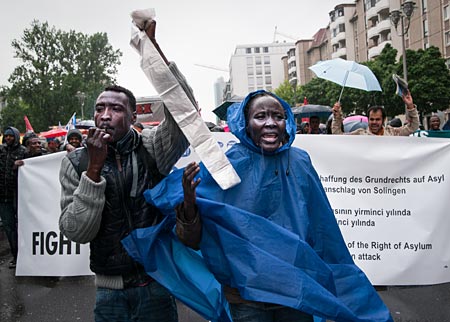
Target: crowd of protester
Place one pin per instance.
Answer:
(102, 214)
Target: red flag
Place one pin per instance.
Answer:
(305, 101)
(28, 126)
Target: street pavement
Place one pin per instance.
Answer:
(67, 299)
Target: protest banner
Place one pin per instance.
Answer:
(389, 195)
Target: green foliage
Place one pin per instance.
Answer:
(55, 66)
(429, 77)
(290, 94)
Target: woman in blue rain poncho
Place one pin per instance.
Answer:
(271, 242)
(280, 216)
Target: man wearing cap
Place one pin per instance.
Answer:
(10, 151)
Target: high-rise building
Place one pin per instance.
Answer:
(257, 66)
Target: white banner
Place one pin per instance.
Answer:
(389, 194)
(43, 250)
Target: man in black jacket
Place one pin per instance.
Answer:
(10, 152)
(102, 201)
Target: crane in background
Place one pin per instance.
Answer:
(213, 67)
(278, 33)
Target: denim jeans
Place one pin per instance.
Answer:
(152, 303)
(264, 312)
(9, 221)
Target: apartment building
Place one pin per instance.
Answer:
(256, 66)
(360, 30)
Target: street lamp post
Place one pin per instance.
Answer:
(293, 82)
(404, 17)
(81, 97)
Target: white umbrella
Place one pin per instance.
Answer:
(346, 73)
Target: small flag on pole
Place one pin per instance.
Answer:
(70, 125)
(72, 122)
(28, 127)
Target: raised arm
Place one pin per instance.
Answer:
(166, 143)
(189, 226)
(336, 124)
(411, 115)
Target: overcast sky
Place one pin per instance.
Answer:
(189, 32)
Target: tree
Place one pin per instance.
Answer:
(428, 79)
(55, 66)
(290, 94)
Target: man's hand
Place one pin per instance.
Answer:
(189, 185)
(150, 30)
(97, 145)
(336, 107)
(18, 163)
(69, 147)
(408, 100)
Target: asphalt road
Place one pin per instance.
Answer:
(70, 299)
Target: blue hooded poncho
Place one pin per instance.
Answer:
(274, 237)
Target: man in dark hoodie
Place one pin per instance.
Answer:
(10, 152)
(74, 139)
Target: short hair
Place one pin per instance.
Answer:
(27, 137)
(127, 92)
(314, 117)
(376, 109)
(436, 116)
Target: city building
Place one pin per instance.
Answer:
(256, 66)
(360, 30)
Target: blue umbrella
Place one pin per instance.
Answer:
(347, 73)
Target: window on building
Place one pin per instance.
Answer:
(249, 61)
(332, 16)
(259, 81)
(342, 27)
(266, 60)
(424, 6)
(251, 81)
(340, 12)
(268, 80)
(258, 60)
(258, 70)
(248, 50)
(267, 70)
(265, 49)
(425, 28)
(446, 12)
(251, 88)
(447, 38)
(370, 3)
(250, 71)
(257, 50)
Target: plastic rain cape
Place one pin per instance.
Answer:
(274, 237)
